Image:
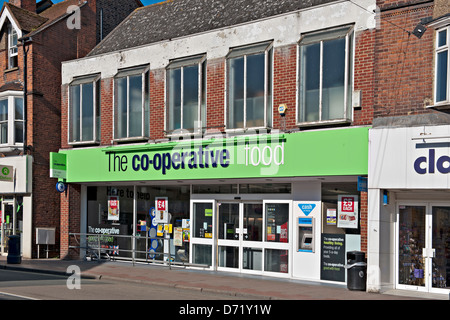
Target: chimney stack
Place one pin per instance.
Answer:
(29, 5)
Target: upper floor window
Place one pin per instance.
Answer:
(186, 95)
(12, 47)
(325, 76)
(11, 118)
(132, 104)
(249, 86)
(84, 110)
(442, 68)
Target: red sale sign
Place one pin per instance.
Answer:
(347, 211)
(348, 204)
(161, 204)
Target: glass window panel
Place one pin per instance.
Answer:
(18, 106)
(147, 104)
(214, 188)
(277, 222)
(442, 38)
(253, 222)
(333, 83)
(190, 97)
(255, 90)
(4, 121)
(4, 110)
(276, 260)
(310, 83)
(228, 257)
(135, 106)
(229, 221)
(174, 116)
(87, 106)
(202, 220)
(440, 242)
(18, 131)
(203, 102)
(411, 242)
(252, 259)
(269, 108)
(75, 113)
(235, 114)
(442, 76)
(121, 108)
(202, 254)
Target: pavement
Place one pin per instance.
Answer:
(234, 284)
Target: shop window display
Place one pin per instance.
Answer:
(111, 217)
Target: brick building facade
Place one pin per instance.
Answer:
(409, 212)
(50, 33)
(324, 148)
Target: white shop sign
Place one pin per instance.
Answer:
(416, 157)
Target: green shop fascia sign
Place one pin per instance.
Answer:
(309, 153)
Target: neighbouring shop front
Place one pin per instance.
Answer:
(286, 205)
(15, 202)
(409, 194)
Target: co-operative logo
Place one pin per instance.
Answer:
(5, 171)
(429, 164)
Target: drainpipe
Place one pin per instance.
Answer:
(24, 41)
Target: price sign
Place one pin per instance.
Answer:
(161, 204)
(162, 210)
(348, 211)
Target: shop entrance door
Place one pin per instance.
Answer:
(8, 219)
(424, 247)
(240, 234)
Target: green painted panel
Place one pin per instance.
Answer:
(309, 153)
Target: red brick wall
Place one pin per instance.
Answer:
(215, 90)
(157, 85)
(285, 85)
(403, 63)
(70, 220)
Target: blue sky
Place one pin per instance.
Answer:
(144, 2)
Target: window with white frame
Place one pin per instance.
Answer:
(12, 47)
(442, 67)
(84, 110)
(325, 76)
(11, 118)
(131, 104)
(186, 95)
(249, 86)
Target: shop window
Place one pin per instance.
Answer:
(11, 118)
(84, 110)
(277, 222)
(265, 188)
(132, 104)
(276, 260)
(12, 47)
(442, 68)
(214, 188)
(186, 95)
(325, 76)
(249, 86)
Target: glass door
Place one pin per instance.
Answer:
(411, 242)
(239, 243)
(440, 252)
(424, 247)
(277, 236)
(7, 225)
(202, 232)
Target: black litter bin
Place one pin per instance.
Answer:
(14, 250)
(356, 270)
